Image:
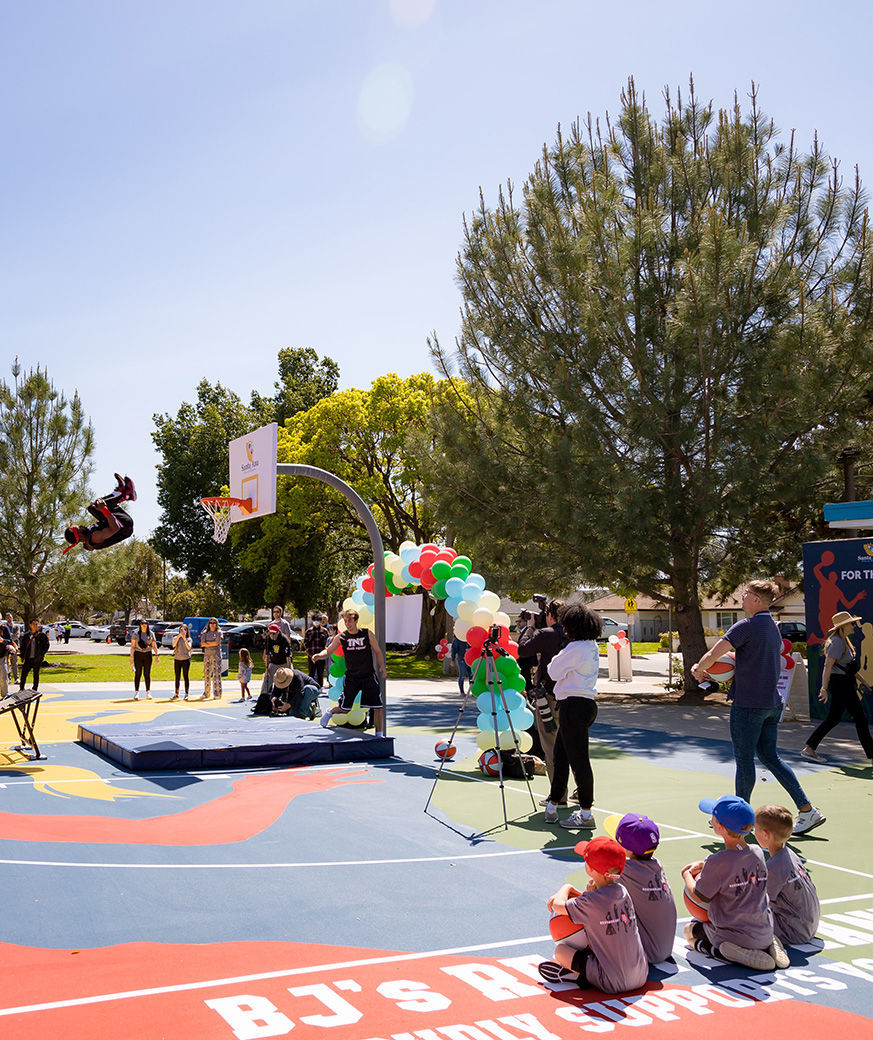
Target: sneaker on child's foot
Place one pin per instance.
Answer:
(551, 813)
(552, 972)
(809, 820)
(810, 752)
(579, 820)
(777, 952)
(760, 960)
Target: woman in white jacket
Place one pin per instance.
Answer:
(575, 670)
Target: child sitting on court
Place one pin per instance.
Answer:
(732, 885)
(646, 882)
(606, 952)
(793, 898)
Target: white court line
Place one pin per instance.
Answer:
(846, 899)
(256, 866)
(285, 973)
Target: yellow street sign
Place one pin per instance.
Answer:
(630, 605)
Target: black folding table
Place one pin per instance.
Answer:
(23, 705)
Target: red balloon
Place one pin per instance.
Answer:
(512, 648)
(430, 547)
(446, 554)
(368, 585)
(339, 651)
(472, 655)
(476, 636)
(787, 646)
(427, 579)
(370, 569)
(427, 559)
(415, 569)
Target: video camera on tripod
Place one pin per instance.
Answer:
(539, 619)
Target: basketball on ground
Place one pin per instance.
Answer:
(489, 763)
(444, 749)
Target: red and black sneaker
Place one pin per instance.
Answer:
(130, 490)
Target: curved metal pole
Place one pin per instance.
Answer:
(292, 469)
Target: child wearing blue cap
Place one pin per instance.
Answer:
(646, 883)
(732, 885)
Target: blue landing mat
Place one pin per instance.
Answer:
(220, 744)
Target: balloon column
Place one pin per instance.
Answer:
(450, 577)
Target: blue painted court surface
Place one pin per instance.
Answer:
(324, 900)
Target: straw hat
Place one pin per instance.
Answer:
(840, 619)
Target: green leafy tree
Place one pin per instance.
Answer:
(46, 445)
(304, 380)
(368, 439)
(665, 340)
(136, 578)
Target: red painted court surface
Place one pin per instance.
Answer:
(324, 901)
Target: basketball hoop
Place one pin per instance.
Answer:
(219, 509)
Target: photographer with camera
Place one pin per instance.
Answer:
(527, 659)
(545, 639)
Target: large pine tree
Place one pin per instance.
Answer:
(664, 341)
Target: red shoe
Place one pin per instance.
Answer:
(130, 490)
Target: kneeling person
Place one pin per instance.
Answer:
(360, 646)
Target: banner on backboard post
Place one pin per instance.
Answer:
(837, 575)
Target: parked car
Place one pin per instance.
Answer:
(99, 633)
(77, 629)
(168, 636)
(610, 628)
(251, 635)
(793, 630)
(131, 629)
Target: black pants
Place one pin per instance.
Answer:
(316, 671)
(181, 668)
(142, 666)
(26, 665)
(576, 715)
(844, 697)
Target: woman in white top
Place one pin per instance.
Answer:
(210, 642)
(574, 670)
(839, 685)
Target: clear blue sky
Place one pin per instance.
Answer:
(190, 185)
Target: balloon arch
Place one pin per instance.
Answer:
(451, 578)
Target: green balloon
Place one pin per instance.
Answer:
(465, 565)
(337, 667)
(441, 569)
(389, 583)
(439, 589)
(507, 666)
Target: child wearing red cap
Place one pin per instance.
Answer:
(612, 957)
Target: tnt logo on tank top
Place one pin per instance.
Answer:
(357, 653)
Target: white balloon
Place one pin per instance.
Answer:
(461, 630)
(501, 618)
(349, 604)
(466, 609)
(490, 600)
(482, 617)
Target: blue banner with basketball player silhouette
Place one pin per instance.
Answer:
(837, 576)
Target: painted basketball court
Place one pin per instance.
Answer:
(323, 901)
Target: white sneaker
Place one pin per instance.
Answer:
(551, 813)
(582, 819)
(809, 820)
(324, 721)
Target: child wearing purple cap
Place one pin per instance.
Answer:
(646, 882)
(732, 885)
(607, 952)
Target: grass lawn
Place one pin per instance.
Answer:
(116, 667)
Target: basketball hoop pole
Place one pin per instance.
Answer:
(292, 469)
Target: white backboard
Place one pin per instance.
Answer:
(253, 471)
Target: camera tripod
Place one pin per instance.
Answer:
(490, 649)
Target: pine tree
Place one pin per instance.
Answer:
(663, 344)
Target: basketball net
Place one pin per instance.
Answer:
(219, 509)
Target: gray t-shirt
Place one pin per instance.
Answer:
(655, 907)
(618, 964)
(837, 648)
(734, 881)
(793, 898)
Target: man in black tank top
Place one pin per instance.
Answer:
(359, 647)
(114, 524)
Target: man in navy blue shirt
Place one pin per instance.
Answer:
(757, 707)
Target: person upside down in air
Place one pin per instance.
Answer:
(114, 524)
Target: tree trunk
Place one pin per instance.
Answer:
(433, 625)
